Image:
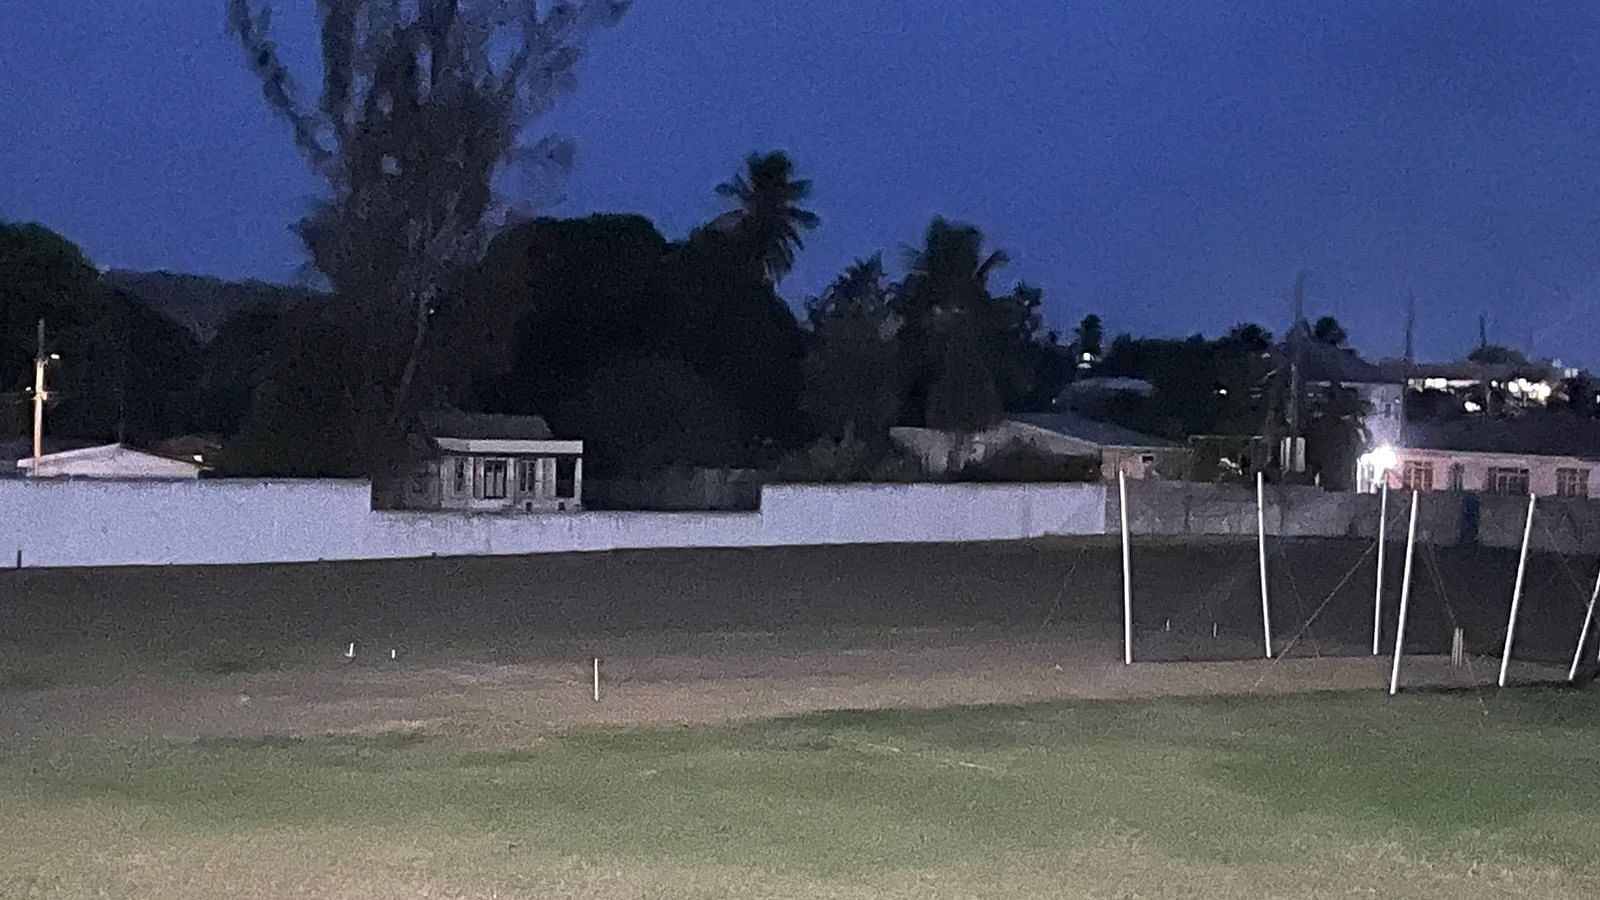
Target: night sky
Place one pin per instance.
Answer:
(1168, 164)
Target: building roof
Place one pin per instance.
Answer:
(1540, 434)
(1110, 384)
(1103, 434)
(1322, 363)
(103, 450)
(453, 423)
(1471, 371)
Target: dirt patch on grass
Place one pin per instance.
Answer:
(753, 677)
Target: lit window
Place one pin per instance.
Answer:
(1572, 483)
(1417, 476)
(1507, 481)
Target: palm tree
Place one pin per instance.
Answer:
(950, 272)
(768, 217)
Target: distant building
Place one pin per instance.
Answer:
(110, 461)
(1381, 391)
(1549, 454)
(1064, 434)
(486, 462)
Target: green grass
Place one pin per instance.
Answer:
(1464, 794)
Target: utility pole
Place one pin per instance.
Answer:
(40, 359)
(1299, 334)
(1411, 331)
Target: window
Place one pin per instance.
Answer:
(1572, 483)
(492, 481)
(526, 479)
(1506, 481)
(566, 476)
(1417, 476)
(1458, 477)
(461, 475)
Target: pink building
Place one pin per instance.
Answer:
(1549, 454)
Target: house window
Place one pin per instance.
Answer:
(1506, 480)
(566, 476)
(1572, 483)
(1417, 476)
(493, 480)
(526, 479)
(1457, 477)
(461, 475)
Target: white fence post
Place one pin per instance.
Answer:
(1377, 591)
(1127, 572)
(1261, 552)
(1516, 592)
(1405, 598)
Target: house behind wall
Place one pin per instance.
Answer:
(1067, 435)
(483, 462)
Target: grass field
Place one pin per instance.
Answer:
(1321, 795)
(811, 722)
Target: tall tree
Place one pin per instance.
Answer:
(422, 105)
(643, 414)
(768, 221)
(946, 295)
(852, 378)
(964, 397)
(1088, 343)
(124, 372)
(1327, 330)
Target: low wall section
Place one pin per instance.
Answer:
(107, 523)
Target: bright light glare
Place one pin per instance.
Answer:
(1383, 458)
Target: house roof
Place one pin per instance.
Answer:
(1103, 434)
(453, 423)
(1400, 370)
(1324, 363)
(1542, 434)
(90, 452)
(1110, 384)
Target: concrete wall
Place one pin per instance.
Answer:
(103, 523)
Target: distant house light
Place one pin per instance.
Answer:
(1472, 406)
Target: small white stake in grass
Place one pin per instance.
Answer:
(393, 653)
(1458, 649)
(350, 651)
(1168, 626)
(1213, 631)
(597, 679)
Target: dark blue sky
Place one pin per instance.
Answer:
(1168, 164)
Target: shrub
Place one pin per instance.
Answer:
(1025, 462)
